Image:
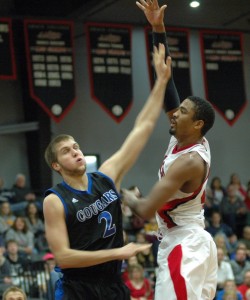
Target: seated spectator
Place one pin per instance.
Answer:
(240, 188)
(218, 191)
(15, 259)
(225, 271)
(229, 289)
(14, 293)
(246, 237)
(129, 262)
(233, 211)
(217, 226)
(22, 194)
(36, 226)
(6, 217)
(145, 258)
(24, 237)
(221, 242)
(245, 285)
(240, 245)
(240, 265)
(5, 269)
(52, 276)
(139, 286)
(247, 295)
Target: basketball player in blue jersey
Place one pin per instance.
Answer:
(83, 218)
(187, 255)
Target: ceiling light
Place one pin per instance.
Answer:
(194, 4)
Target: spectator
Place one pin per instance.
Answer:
(247, 294)
(245, 285)
(50, 276)
(246, 237)
(5, 269)
(36, 226)
(15, 259)
(217, 226)
(21, 233)
(139, 286)
(229, 289)
(6, 217)
(145, 258)
(22, 194)
(233, 210)
(240, 188)
(240, 265)
(225, 271)
(218, 191)
(14, 293)
(221, 242)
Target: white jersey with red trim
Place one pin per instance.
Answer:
(183, 208)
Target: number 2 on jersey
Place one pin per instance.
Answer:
(110, 228)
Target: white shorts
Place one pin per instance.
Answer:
(187, 260)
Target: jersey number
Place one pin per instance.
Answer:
(109, 228)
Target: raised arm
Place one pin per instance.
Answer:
(155, 17)
(119, 164)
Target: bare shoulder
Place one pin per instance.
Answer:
(52, 205)
(191, 162)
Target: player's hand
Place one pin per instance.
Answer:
(132, 249)
(152, 11)
(162, 66)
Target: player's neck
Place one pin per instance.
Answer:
(77, 182)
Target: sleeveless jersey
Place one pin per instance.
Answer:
(94, 222)
(183, 208)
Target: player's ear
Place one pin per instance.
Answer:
(198, 124)
(55, 166)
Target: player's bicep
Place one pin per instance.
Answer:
(55, 226)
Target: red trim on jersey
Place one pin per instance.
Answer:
(174, 263)
(176, 149)
(171, 205)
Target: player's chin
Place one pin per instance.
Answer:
(172, 131)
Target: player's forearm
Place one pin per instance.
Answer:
(71, 258)
(154, 104)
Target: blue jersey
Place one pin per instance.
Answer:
(94, 222)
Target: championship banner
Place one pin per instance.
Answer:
(50, 62)
(110, 71)
(178, 43)
(7, 57)
(222, 58)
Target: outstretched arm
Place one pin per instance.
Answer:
(155, 17)
(57, 237)
(119, 164)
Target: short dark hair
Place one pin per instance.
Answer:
(203, 111)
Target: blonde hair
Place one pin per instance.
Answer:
(14, 289)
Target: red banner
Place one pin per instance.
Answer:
(110, 70)
(7, 56)
(222, 58)
(178, 43)
(50, 60)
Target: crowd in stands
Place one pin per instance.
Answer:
(22, 236)
(227, 219)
